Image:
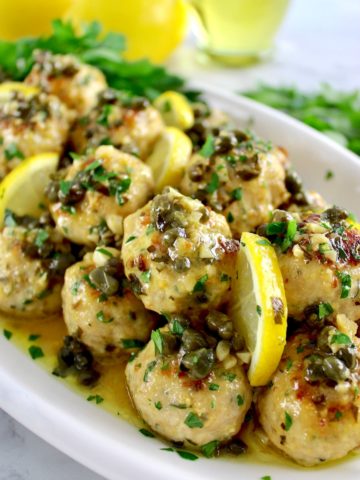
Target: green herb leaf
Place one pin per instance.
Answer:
(288, 421)
(230, 217)
(158, 405)
(35, 352)
(187, 455)
(214, 387)
(105, 252)
(65, 186)
(325, 309)
(200, 284)
(41, 237)
(130, 239)
(132, 343)
(345, 280)
(157, 338)
(340, 339)
(95, 398)
(176, 328)
(149, 369)
(210, 449)
(236, 194)
(100, 315)
(33, 336)
(12, 151)
(240, 400)
(208, 148)
(214, 183)
(146, 276)
(146, 433)
(193, 420)
(7, 334)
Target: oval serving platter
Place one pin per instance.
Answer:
(114, 448)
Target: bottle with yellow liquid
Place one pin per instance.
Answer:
(238, 31)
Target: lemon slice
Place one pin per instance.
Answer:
(175, 110)
(7, 87)
(169, 158)
(22, 191)
(258, 306)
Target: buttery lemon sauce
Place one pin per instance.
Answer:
(48, 334)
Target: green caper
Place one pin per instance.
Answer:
(61, 262)
(103, 281)
(221, 324)
(169, 343)
(237, 342)
(178, 323)
(334, 214)
(348, 356)
(199, 363)
(335, 369)
(182, 264)
(192, 340)
(323, 338)
(311, 314)
(314, 371)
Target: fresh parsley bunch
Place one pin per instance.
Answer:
(336, 114)
(90, 46)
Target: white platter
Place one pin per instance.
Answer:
(114, 448)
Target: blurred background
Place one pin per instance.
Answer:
(278, 51)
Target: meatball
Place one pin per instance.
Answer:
(75, 83)
(178, 255)
(97, 191)
(131, 125)
(186, 409)
(33, 258)
(31, 124)
(239, 177)
(310, 409)
(321, 265)
(100, 310)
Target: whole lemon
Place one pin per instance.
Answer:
(23, 18)
(153, 28)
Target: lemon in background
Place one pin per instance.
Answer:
(24, 18)
(153, 28)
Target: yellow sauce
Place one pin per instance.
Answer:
(112, 386)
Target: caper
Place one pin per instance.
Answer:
(293, 182)
(235, 447)
(334, 214)
(220, 323)
(192, 340)
(172, 234)
(52, 191)
(250, 168)
(196, 172)
(311, 314)
(314, 371)
(205, 215)
(323, 338)
(182, 264)
(225, 143)
(199, 363)
(114, 267)
(281, 216)
(335, 369)
(237, 342)
(103, 281)
(169, 343)
(61, 262)
(348, 356)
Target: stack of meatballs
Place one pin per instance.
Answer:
(150, 276)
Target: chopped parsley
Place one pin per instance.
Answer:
(7, 334)
(258, 309)
(176, 328)
(239, 400)
(208, 148)
(105, 252)
(132, 343)
(329, 175)
(41, 237)
(100, 315)
(131, 238)
(104, 115)
(158, 405)
(146, 433)
(187, 455)
(210, 449)
(224, 277)
(236, 194)
(288, 421)
(200, 284)
(65, 186)
(340, 339)
(214, 387)
(338, 415)
(12, 151)
(214, 183)
(345, 280)
(325, 309)
(230, 217)
(193, 420)
(35, 352)
(157, 338)
(95, 398)
(149, 369)
(229, 376)
(289, 364)
(33, 336)
(146, 276)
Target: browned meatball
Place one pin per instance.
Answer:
(239, 177)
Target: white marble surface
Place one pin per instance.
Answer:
(318, 42)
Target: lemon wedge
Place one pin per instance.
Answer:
(169, 158)
(258, 306)
(22, 191)
(7, 87)
(175, 110)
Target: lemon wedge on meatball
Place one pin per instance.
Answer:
(258, 306)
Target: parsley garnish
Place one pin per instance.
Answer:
(340, 339)
(236, 194)
(329, 175)
(213, 185)
(208, 148)
(148, 369)
(176, 327)
(100, 315)
(130, 239)
(132, 343)
(325, 309)
(33, 336)
(193, 420)
(200, 284)
(97, 398)
(156, 337)
(230, 217)
(345, 280)
(7, 334)
(145, 276)
(105, 252)
(187, 455)
(214, 387)
(210, 449)
(12, 151)
(258, 309)
(158, 405)
(288, 421)
(41, 237)
(240, 400)
(146, 433)
(35, 352)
